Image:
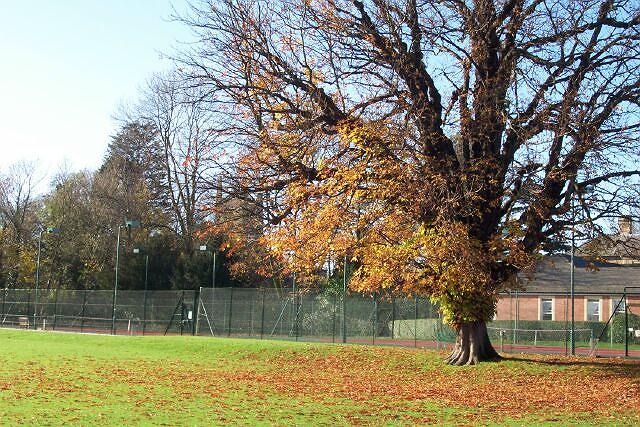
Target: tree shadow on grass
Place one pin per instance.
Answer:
(628, 368)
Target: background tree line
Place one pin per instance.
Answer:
(161, 169)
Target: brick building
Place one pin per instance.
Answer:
(545, 295)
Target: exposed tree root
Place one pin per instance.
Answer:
(472, 345)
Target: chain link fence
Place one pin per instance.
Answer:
(92, 311)
(304, 316)
(286, 314)
(605, 324)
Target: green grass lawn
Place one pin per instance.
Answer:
(56, 378)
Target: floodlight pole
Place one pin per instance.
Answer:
(203, 248)
(213, 277)
(146, 275)
(295, 303)
(115, 287)
(344, 300)
(37, 284)
(35, 303)
(129, 224)
(146, 271)
(572, 278)
(213, 271)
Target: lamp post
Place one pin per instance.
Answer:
(129, 224)
(146, 276)
(49, 230)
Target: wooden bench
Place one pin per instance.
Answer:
(23, 321)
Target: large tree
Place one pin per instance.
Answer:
(437, 143)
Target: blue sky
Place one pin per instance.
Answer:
(67, 65)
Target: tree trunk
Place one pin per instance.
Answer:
(472, 345)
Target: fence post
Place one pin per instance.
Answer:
(438, 328)
(393, 317)
(84, 305)
(626, 327)
(296, 304)
(230, 311)
(55, 308)
(610, 335)
(262, 316)
(251, 314)
(566, 323)
(28, 303)
(195, 311)
(515, 321)
(333, 320)
(199, 302)
(344, 318)
(280, 321)
(312, 316)
(415, 323)
(182, 312)
(144, 311)
(375, 317)
(344, 300)
(4, 299)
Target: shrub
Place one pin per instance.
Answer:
(617, 327)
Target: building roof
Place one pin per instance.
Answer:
(552, 275)
(618, 246)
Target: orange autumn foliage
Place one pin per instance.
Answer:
(366, 202)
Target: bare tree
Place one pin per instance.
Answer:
(19, 206)
(187, 150)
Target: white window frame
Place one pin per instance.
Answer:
(540, 306)
(586, 309)
(614, 302)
